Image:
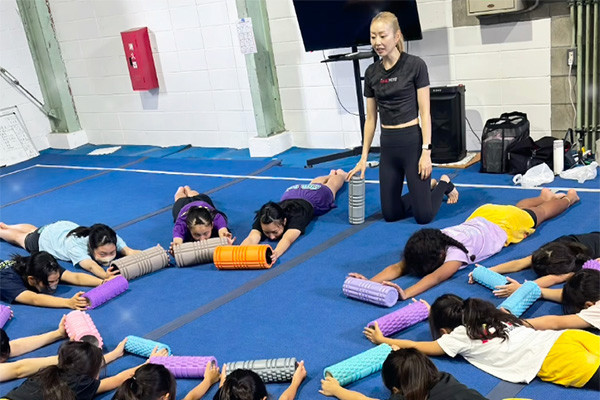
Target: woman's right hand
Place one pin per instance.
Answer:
(361, 166)
(357, 276)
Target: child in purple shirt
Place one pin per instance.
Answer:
(196, 217)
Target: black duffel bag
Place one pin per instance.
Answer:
(526, 153)
(498, 135)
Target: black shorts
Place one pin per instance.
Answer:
(532, 215)
(184, 201)
(32, 241)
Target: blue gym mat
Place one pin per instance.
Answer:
(295, 309)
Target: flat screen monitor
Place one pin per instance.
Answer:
(332, 24)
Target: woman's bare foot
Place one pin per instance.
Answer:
(453, 195)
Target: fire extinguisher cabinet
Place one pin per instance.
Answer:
(140, 62)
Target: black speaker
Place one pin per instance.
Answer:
(448, 127)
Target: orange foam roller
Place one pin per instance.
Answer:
(243, 257)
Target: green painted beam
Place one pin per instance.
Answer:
(49, 65)
(262, 75)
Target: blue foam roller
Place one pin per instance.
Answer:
(522, 298)
(143, 347)
(359, 366)
(488, 278)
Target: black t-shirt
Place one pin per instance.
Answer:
(396, 89)
(85, 388)
(448, 388)
(589, 240)
(298, 213)
(11, 284)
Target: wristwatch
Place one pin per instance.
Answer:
(426, 146)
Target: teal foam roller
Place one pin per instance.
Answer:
(522, 298)
(359, 366)
(143, 347)
(270, 371)
(488, 278)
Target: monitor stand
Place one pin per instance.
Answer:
(355, 56)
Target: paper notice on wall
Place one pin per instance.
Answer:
(246, 35)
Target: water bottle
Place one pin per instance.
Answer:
(559, 156)
(356, 200)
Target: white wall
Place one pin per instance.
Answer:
(16, 58)
(504, 67)
(204, 96)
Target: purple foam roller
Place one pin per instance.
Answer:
(184, 366)
(371, 292)
(103, 293)
(4, 315)
(402, 318)
(591, 264)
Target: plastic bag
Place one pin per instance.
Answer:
(535, 176)
(581, 174)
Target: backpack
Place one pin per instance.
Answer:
(498, 135)
(523, 155)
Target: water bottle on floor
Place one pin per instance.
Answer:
(356, 200)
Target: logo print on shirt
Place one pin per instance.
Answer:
(388, 80)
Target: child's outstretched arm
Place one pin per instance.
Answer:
(285, 242)
(128, 251)
(24, 368)
(80, 279)
(390, 272)
(253, 238)
(443, 273)
(25, 345)
(331, 387)
(558, 322)
(554, 295)
(513, 266)
(297, 379)
(116, 353)
(211, 376)
(93, 267)
(77, 302)
(429, 348)
(543, 282)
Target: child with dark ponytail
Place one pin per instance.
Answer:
(155, 382)
(436, 255)
(505, 346)
(196, 217)
(92, 248)
(75, 377)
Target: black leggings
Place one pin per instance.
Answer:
(400, 153)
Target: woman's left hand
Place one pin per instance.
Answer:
(425, 164)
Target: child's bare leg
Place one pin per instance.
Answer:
(180, 193)
(553, 207)
(335, 182)
(15, 234)
(545, 195)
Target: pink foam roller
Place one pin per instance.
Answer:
(591, 264)
(184, 366)
(79, 324)
(103, 293)
(402, 318)
(4, 315)
(369, 291)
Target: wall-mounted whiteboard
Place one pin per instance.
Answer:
(15, 142)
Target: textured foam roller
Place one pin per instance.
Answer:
(488, 278)
(4, 315)
(402, 318)
(591, 264)
(194, 253)
(143, 347)
(371, 292)
(79, 324)
(356, 200)
(243, 257)
(184, 366)
(143, 263)
(103, 293)
(522, 298)
(270, 371)
(359, 366)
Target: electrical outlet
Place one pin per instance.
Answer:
(572, 57)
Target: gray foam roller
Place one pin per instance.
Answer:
(194, 253)
(356, 200)
(273, 370)
(143, 263)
